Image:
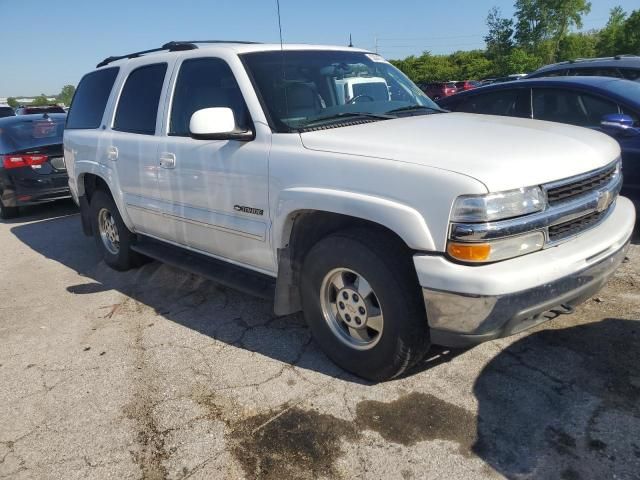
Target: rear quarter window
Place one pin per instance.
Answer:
(90, 99)
(6, 112)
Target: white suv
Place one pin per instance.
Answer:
(391, 224)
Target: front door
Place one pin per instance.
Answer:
(215, 192)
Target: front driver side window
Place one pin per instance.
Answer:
(205, 83)
(575, 108)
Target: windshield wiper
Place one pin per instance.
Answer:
(346, 115)
(411, 108)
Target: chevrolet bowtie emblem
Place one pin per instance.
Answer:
(603, 201)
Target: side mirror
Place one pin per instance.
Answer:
(618, 124)
(217, 123)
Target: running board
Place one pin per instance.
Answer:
(223, 273)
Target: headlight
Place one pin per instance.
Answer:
(496, 250)
(497, 206)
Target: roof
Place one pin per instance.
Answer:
(597, 84)
(238, 47)
(624, 61)
(31, 117)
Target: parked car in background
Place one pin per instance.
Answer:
(437, 90)
(6, 111)
(620, 66)
(467, 85)
(391, 224)
(29, 110)
(32, 168)
(606, 104)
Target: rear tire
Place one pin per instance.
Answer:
(113, 238)
(8, 212)
(376, 335)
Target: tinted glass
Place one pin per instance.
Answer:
(50, 109)
(631, 74)
(575, 108)
(512, 103)
(91, 98)
(138, 104)
(30, 131)
(555, 73)
(6, 112)
(205, 83)
(595, 71)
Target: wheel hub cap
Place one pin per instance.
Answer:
(351, 308)
(108, 231)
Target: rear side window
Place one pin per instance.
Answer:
(595, 71)
(138, 104)
(6, 112)
(91, 98)
(575, 108)
(205, 83)
(631, 74)
(512, 103)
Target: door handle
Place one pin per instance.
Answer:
(112, 154)
(167, 160)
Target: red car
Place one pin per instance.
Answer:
(467, 85)
(438, 90)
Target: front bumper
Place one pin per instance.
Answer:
(467, 305)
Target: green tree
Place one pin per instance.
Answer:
(40, 100)
(521, 61)
(547, 20)
(66, 94)
(631, 35)
(499, 39)
(611, 37)
(578, 45)
(531, 23)
(12, 102)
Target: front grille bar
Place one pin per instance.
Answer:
(571, 210)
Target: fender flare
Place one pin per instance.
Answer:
(405, 221)
(84, 167)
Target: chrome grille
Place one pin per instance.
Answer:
(573, 227)
(561, 193)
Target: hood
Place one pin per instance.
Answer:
(501, 152)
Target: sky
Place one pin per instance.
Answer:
(46, 44)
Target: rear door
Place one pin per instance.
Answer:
(134, 146)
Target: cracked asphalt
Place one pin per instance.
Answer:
(159, 374)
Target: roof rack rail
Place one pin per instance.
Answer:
(624, 55)
(172, 46)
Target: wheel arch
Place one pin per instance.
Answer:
(90, 181)
(308, 215)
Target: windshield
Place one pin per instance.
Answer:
(300, 89)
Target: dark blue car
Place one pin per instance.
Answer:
(32, 168)
(610, 105)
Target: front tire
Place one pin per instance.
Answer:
(113, 238)
(362, 302)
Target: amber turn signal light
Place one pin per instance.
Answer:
(469, 252)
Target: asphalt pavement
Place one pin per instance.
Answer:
(156, 373)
